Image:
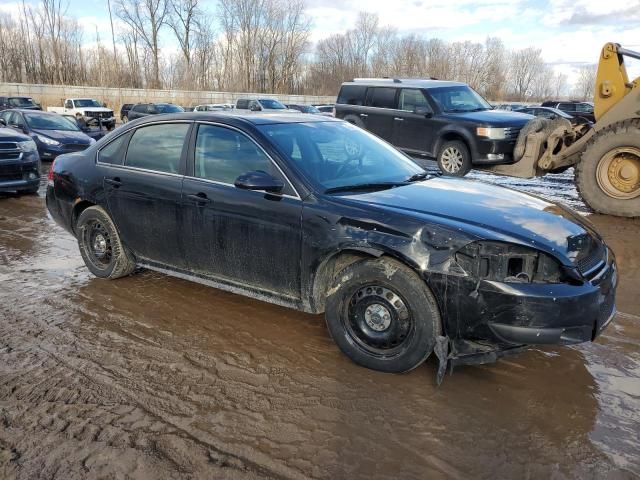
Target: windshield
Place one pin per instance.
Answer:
(44, 121)
(21, 102)
(168, 108)
(459, 98)
(338, 154)
(86, 102)
(269, 104)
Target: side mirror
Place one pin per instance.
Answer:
(255, 108)
(423, 111)
(259, 180)
(2, 123)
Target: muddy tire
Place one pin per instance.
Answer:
(454, 158)
(382, 315)
(100, 246)
(607, 175)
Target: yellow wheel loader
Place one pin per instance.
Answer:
(606, 155)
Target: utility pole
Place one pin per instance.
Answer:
(113, 35)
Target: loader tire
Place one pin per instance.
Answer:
(608, 173)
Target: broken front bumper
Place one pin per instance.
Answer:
(490, 317)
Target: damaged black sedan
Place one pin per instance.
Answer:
(316, 214)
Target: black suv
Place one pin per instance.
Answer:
(573, 107)
(19, 162)
(24, 103)
(447, 121)
(124, 112)
(143, 109)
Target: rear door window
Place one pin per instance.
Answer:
(567, 107)
(352, 94)
(157, 147)
(113, 153)
(381, 97)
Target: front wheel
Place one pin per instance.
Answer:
(100, 246)
(454, 158)
(608, 173)
(382, 315)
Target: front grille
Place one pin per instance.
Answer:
(99, 114)
(9, 151)
(74, 147)
(511, 133)
(591, 258)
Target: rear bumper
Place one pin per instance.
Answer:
(19, 185)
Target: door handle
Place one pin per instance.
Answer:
(115, 182)
(363, 115)
(398, 119)
(199, 198)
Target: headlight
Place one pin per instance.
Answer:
(28, 146)
(506, 262)
(491, 132)
(47, 140)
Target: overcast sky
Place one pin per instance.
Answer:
(569, 32)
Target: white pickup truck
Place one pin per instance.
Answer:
(89, 108)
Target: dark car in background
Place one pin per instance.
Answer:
(447, 121)
(551, 114)
(319, 215)
(260, 105)
(52, 133)
(19, 162)
(573, 108)
(124, 112)
(89, 129)
(140, 110)
(327, 110)
(24, 103)
(303, 108)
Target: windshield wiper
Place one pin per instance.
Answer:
(365, 186)
(416, 177)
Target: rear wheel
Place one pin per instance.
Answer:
(454, 158)
(100, 245)
(608, 174)
(382, 315)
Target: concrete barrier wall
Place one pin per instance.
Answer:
(54, 95)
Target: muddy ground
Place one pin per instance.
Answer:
(154, 377)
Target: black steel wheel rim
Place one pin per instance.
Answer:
(97, 241)
(378, 320)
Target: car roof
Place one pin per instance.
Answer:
(28, 110)
(252, 118)
(405, 82)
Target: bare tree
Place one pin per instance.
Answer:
(586, 82)
(525, 65)
(146, 18)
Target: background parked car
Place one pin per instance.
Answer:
(260, 104)
(124, 112)
(303, 108)
(447, 121)
(550, 113)
(52, 133)
(213, 107)
(327, 110)
(140, 110)
(509, 107)
(25, 103)
(91, 110)
(573, 107)
(19, 162)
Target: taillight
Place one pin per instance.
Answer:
(50, 176)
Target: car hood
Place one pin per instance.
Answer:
(65, 136)
(10, 135)
(493, 118)
(489, 212)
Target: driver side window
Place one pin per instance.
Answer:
(412, 98)
(223, 154)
